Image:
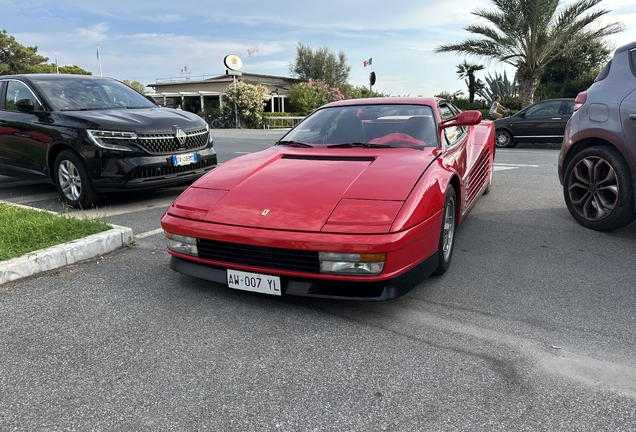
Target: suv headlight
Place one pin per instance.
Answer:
(112, 140)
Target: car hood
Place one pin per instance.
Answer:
(136, 120)
(307, 189)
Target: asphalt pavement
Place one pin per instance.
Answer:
(531, 329)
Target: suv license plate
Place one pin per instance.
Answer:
(256, 282)
(184, 159)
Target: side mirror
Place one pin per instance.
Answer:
(465, 118)
(25, 105)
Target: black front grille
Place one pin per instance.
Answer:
(171, 170)
(259, 256)
(168, 143)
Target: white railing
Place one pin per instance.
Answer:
(280, 122)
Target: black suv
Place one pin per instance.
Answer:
(597, 163)
(90, 135)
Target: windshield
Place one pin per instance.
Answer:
(411, 126)
(91, 94)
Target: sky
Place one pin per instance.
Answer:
(153, 40)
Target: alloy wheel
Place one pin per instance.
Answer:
(593, 188)
(448, 233)
(70, 180)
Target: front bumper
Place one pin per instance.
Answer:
(116, 172)
(321, 288)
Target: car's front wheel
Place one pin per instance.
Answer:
(447, 234)
(598, 189)
(503, 139)
(73, 181)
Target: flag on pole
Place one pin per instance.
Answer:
(368, 62)
(100, 62)
(184, 69)
(252, 51)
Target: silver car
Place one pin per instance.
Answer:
(597, 163)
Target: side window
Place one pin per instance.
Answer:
(632, 57)
(17, 91)
(568, 108)
(544, 109)
(453, 134)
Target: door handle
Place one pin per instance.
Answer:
(556, 118)
(632, 116)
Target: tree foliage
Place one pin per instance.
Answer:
(466, 71)
(250, 102)
(135, 85)
(500, 85)
(529, 34)
(16, 58)
(306, 97)
(357, 92)
(51, 68)
(321, 64)
(573, 71)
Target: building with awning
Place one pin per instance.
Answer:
(196, 93)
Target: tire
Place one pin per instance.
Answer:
(598, 189)
(447, 233)
(216, 123)
(503, 139)
(489, 185)
(73, 182)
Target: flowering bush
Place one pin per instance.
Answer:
(249, 99)
(306, 97)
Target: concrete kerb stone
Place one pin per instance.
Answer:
(64, 254)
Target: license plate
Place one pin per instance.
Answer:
(184, 159)
(256, 282)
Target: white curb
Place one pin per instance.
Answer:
(67, 253)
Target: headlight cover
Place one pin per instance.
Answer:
(182, 244)
(112, 140)
(351, 263)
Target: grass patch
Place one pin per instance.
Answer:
(24, 230)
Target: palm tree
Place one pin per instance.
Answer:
(466, 71)
(528, 34)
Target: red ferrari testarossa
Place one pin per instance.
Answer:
(358, 201)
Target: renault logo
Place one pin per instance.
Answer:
(265, 212)
(180, 135)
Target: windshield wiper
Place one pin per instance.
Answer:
(293, 144)
(359, 144)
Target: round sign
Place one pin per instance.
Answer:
(233, 62)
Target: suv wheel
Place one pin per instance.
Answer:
(598, 189)
(73, 181)
(503, 139)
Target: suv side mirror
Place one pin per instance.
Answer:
(25, 105)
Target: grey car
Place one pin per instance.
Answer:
(597, 162)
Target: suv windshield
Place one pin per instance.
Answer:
(91, 94)
(411, 126)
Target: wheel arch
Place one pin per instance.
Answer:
(55, 150)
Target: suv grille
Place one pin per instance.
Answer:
(171, 170)
(167, 142)
(259, 256)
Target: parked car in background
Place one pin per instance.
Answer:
(542, 122)
(90, 135)
(358, 201)
(597, 162)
